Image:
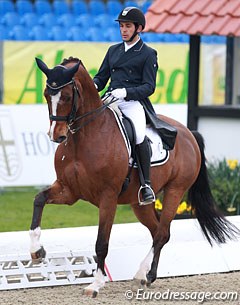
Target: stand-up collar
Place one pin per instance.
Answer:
(127, 46)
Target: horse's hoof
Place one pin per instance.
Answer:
(150, 279)
(143, 282)
(38, 256)
(138, 283)
(90, 293)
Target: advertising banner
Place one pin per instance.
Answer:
(26, 153)
(24, 82)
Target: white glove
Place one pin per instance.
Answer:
(107, 98)
(96, 86)
(119, 93)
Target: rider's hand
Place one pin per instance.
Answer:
(119, 93)
(107, 98)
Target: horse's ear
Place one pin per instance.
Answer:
(42, 66)
(81, 63)
(70, 72)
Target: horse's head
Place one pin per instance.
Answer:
(62, 95)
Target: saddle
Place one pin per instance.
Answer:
(159, 155)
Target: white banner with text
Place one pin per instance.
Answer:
(26, 153)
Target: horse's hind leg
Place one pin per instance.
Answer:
(147, 216)
(171, 200)
(54, 194)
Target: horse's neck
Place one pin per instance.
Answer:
(91, 102)
(90, 134)
(90, 114)
(91, 98)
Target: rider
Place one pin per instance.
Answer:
(131, 67)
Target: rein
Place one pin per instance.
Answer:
(71, 119)
(94, 112)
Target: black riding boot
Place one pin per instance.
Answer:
(144, 156)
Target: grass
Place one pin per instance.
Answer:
(16, 206)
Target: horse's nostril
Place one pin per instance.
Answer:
(61, 139)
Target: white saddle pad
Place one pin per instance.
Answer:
(159, 154)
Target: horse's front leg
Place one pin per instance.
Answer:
(54, 194)
(107, 212)
(36, 249)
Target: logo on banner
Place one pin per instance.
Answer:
(10, 164)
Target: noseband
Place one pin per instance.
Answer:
(71, 117)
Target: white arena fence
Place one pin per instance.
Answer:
(71, 255)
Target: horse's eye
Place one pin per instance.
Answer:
(67, 98)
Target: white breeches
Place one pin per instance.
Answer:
(134, 111)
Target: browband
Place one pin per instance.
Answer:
(59, 87)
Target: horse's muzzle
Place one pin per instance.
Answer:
(58, 132)
(60, 139)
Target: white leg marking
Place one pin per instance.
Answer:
(99, 282)
(54, 99)
(145, 266)
(34, 240)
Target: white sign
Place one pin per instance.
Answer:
(26, 153)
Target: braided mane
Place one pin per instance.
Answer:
(71, 59)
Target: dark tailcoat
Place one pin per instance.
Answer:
(134, 70)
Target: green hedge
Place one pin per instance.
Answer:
(224, 179)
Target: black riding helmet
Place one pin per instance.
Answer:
(134, 15)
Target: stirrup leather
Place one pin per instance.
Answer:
(141, 201)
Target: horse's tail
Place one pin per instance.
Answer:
(213, 223)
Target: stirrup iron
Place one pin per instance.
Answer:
(142, 202)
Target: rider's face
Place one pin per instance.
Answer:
(127, 29)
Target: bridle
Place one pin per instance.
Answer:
(71, 118)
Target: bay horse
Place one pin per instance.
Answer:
(92, 162)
